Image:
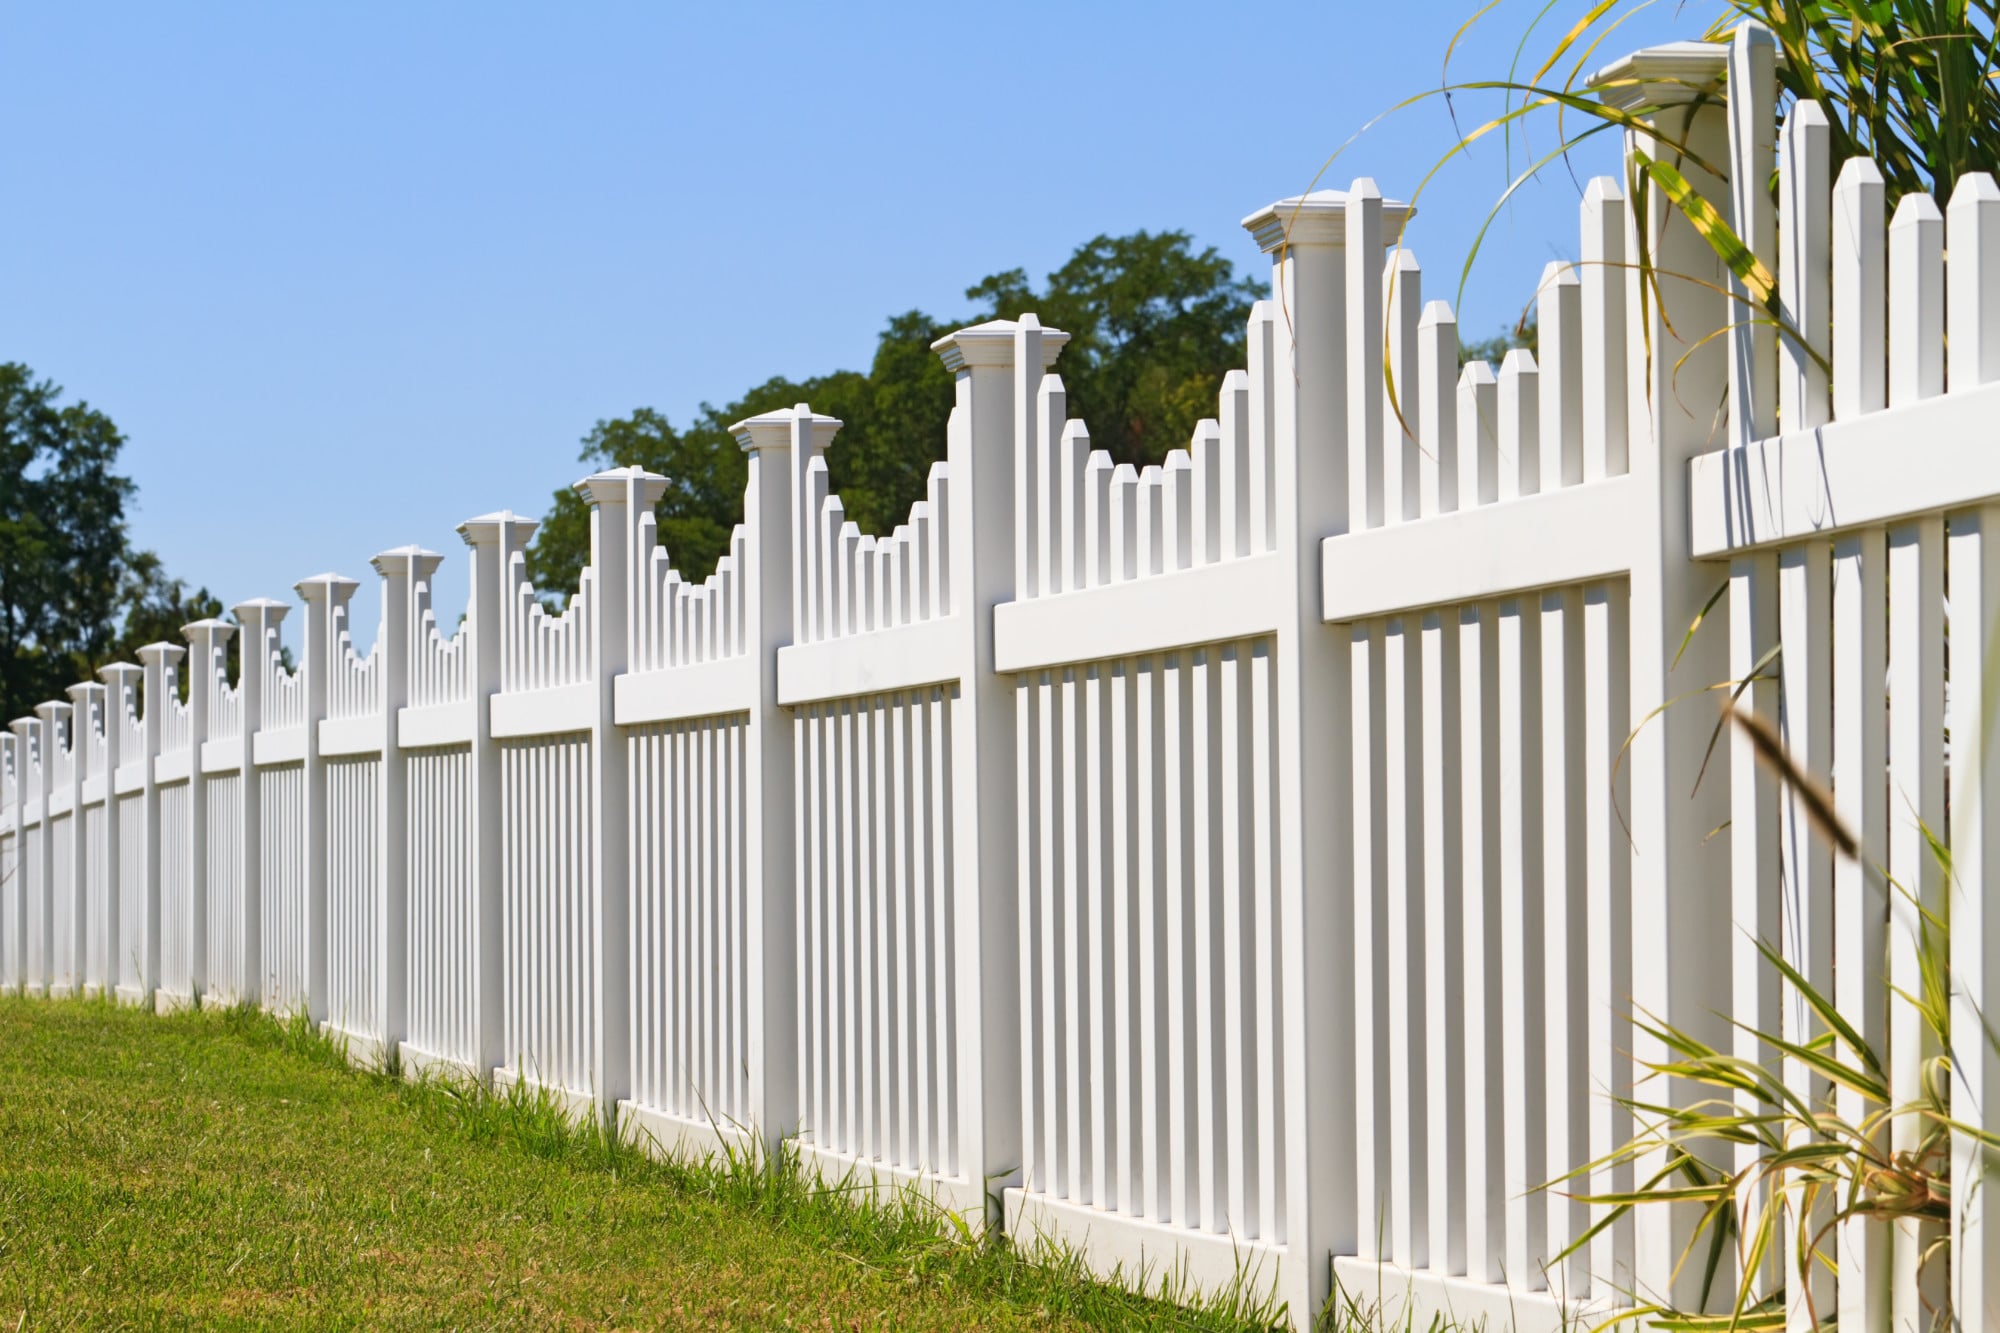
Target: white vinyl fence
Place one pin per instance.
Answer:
(1243, 867)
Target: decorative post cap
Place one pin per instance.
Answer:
(25, 727)
(399, 561)
(122, 675)
(992, 344)
(336, 588)
(642, 487)
(211, 632)
(773, 430)
(162, 654)
(1320, 218)
(82, 693)
(264, 610)
(55, 710)
(1666, 75)
(487, 529)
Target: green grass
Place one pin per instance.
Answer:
(219, 1169)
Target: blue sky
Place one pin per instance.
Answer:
(347, 275)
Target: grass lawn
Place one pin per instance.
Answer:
(220, 1170)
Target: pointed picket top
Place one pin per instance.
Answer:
(774, 430)
(488, 529)
(617, 483)
(992, 343)
(1320, 218)
(398, 561)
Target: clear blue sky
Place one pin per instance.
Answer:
(347, 275)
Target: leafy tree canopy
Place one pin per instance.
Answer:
(1154, 325)
(74, 594)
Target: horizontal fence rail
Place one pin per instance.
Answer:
(1268, 866)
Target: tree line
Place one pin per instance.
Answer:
(1154, 325)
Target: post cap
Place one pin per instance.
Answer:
(1320, 218)
(992, 343)
(54, 710)
(398, 561)
(162, 654)
(641, 488)
(269, 610)
(1670, 74)
(82, 692)
(121, 675)
(487, 529)
(335, 588)
(214, 632)
(773, 430)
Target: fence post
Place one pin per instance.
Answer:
(207, 669)
(55, 719)
(259, 619)
(617, 500)
(12, 900)
(27, 751)
(1680, 875)
(159, 661)
(1321, 487)
(999, 367)
(133, 933)
(325, 596)
(86, 701)
(58, 718)
(494, 539)
(401, 570)
(780, 445)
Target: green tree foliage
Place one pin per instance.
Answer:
(1154, 326)
(73, 592)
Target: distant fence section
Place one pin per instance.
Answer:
(1244, 868)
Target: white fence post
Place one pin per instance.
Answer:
(160, 662)
(617, 500)
(55, 721)
(31, 850)
(401, 570)
(207, 641)
(494, 539)
(65, 853)
(256, 643)
(1325, 478)
(134, 934)
(780, 445)
(999, 367)
(12, 901)
(325, 596)
(1680, 902)
(88, 721)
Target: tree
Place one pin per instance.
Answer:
(66, 565)
(1154, 327)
